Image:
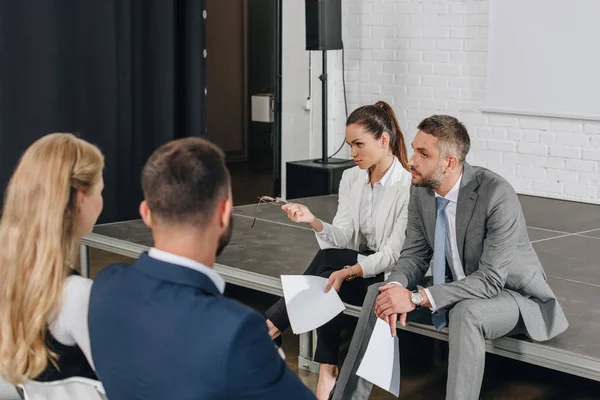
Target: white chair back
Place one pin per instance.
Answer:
(8, 391)
(75, 388)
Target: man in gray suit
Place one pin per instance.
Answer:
(487, 279)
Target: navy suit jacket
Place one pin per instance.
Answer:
(164, 331)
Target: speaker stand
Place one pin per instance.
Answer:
(323, 78)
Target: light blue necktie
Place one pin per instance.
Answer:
(439, 258)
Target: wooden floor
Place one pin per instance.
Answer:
(422, 377)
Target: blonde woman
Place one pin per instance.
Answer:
(53, 198)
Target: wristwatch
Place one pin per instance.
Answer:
(416, 298)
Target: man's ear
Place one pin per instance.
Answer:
(226, 208)
(451, 163)
(146, 213)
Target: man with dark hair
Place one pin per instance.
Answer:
(487, 279)
(161, 328)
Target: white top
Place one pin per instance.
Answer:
(369, 209)
(189, 263)
(456, 267)
(71, 325)
(389, 225)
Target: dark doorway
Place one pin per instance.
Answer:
(243, 60)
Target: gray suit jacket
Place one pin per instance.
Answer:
(494, 248)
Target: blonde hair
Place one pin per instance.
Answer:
(39, 246)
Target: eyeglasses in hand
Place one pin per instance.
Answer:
(267, 200)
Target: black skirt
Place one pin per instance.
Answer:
(352, 292)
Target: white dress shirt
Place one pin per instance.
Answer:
(71, 324)
(456, 267)
(369, 209)
(189, 263)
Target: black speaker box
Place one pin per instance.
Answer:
(307, 178)
(323, 24)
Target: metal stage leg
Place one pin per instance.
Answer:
(84, 260)
(308, 342)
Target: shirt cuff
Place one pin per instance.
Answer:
(325, 234)
(397, 283)
(433, 307)
(366, 263)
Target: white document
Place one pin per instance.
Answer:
(381, 363)
(308, 306)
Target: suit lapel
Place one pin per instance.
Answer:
(357, 195)
(385, 208)
(384, 213)
(429, 205)
(467, 198)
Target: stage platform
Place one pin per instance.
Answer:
(566, 236)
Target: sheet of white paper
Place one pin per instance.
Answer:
(308, 307)
(381, 362)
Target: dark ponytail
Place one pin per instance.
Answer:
(380, 118)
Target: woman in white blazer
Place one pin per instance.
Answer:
(364, 241)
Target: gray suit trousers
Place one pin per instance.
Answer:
(470, 323)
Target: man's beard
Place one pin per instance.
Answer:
(225, 237)
(433, 180)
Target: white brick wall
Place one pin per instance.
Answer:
(426, 57)
(301, 129)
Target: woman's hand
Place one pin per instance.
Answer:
(273, 331)
(298, 213)
(336, 279)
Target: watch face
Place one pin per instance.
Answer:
(416, 298)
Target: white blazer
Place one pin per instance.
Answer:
(390, 227)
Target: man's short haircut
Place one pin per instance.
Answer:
(451, 134)
(183, 181)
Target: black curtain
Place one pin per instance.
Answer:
(126, 75)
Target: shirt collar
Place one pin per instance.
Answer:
(452, 195)
(387, 175)
(189, 263)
